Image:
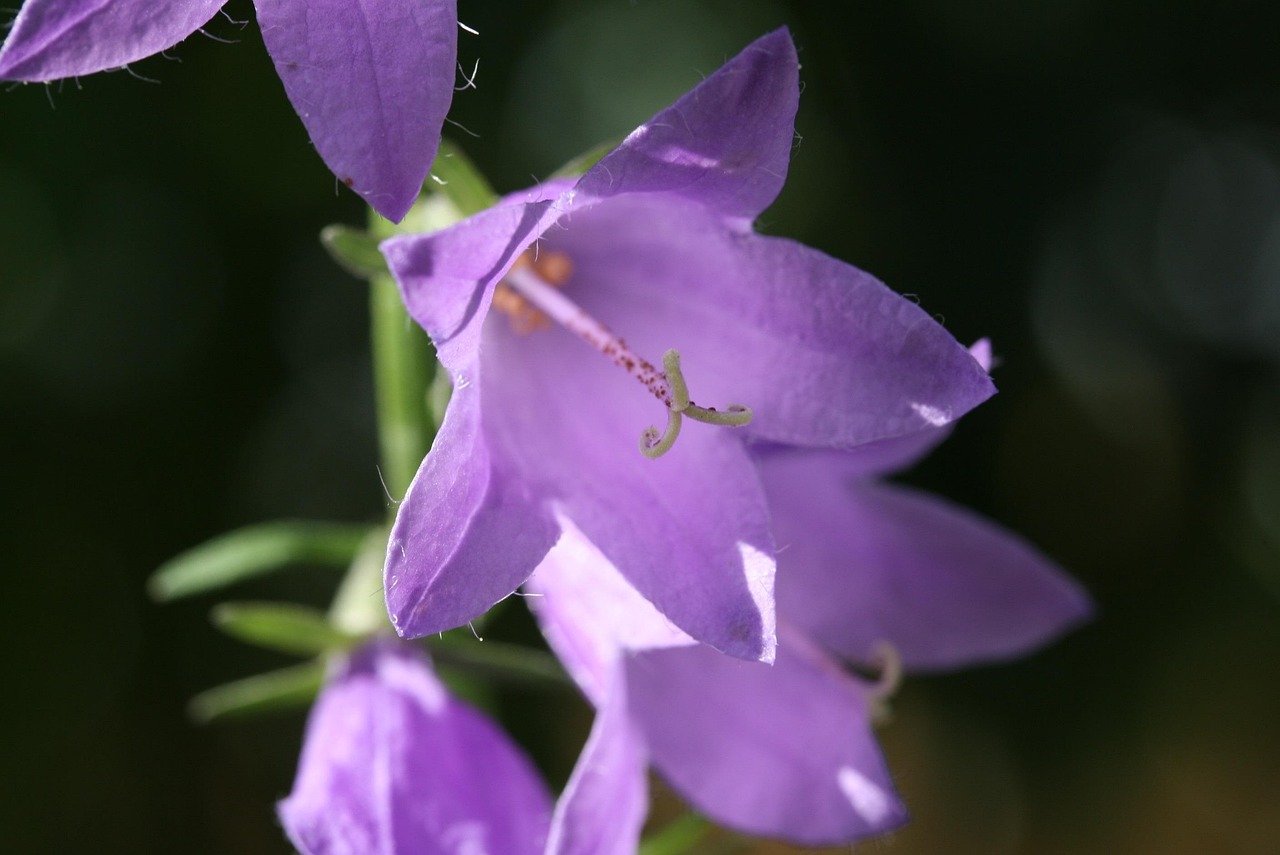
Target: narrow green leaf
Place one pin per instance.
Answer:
(585, 161)
(356, 251)
(456, 177)
(286, 689)
(254, 551)
(286, 627)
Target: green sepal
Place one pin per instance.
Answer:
(255, 551)
(589, 158)
(355, 251)
(286, 689)
(284, 627)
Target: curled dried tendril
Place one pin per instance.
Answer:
(655, 443)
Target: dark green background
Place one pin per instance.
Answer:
(1095, 185)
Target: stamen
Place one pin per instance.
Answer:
(534, 284)
(554, 268)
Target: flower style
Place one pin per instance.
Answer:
(549, 312)
(871, 574)
(392, 764)
(372, 82)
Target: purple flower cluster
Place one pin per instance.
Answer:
(371, 81)
(650, 564)
(668, 427)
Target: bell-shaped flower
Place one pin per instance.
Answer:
(871, 575)
(371, 81)
(394, 765)
(574, 315)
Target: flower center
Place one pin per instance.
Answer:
(530, 296)
(553, 268)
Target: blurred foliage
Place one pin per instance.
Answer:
(1095, 186)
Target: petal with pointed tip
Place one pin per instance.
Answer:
(603, 807)
(867, 562)
(726, 144)
(52, 39)
(372, 81)
(780, 751)
(468, 532)
(823, 353)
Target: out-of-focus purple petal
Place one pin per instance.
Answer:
(591, 615)
(823, 353)
(393, 765)
(52, 39)
(372, 81)
(603, 807)
(690, 530)
(982, 351)
(468, 532)
(726, 144)
(866, 562)
(780, 751)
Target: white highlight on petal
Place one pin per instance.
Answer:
(465, 838)
(931, 414)
(867, 797)
(759, 571)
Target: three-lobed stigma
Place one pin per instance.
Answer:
(654, 444)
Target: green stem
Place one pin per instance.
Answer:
(403, 364)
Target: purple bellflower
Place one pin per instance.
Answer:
(871, 574)
(550, 312)
(372, 82)
(393, 765)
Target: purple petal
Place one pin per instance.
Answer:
(468, 532)
(52, 39)
(888, 455)
(690, 530)
(822, 353)
(982, 351)
(446, 278)
(392, 764)
(603, 807)
(591, 615)
(780, 751)
(867, 562)
(726, 144)
(372, 81)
